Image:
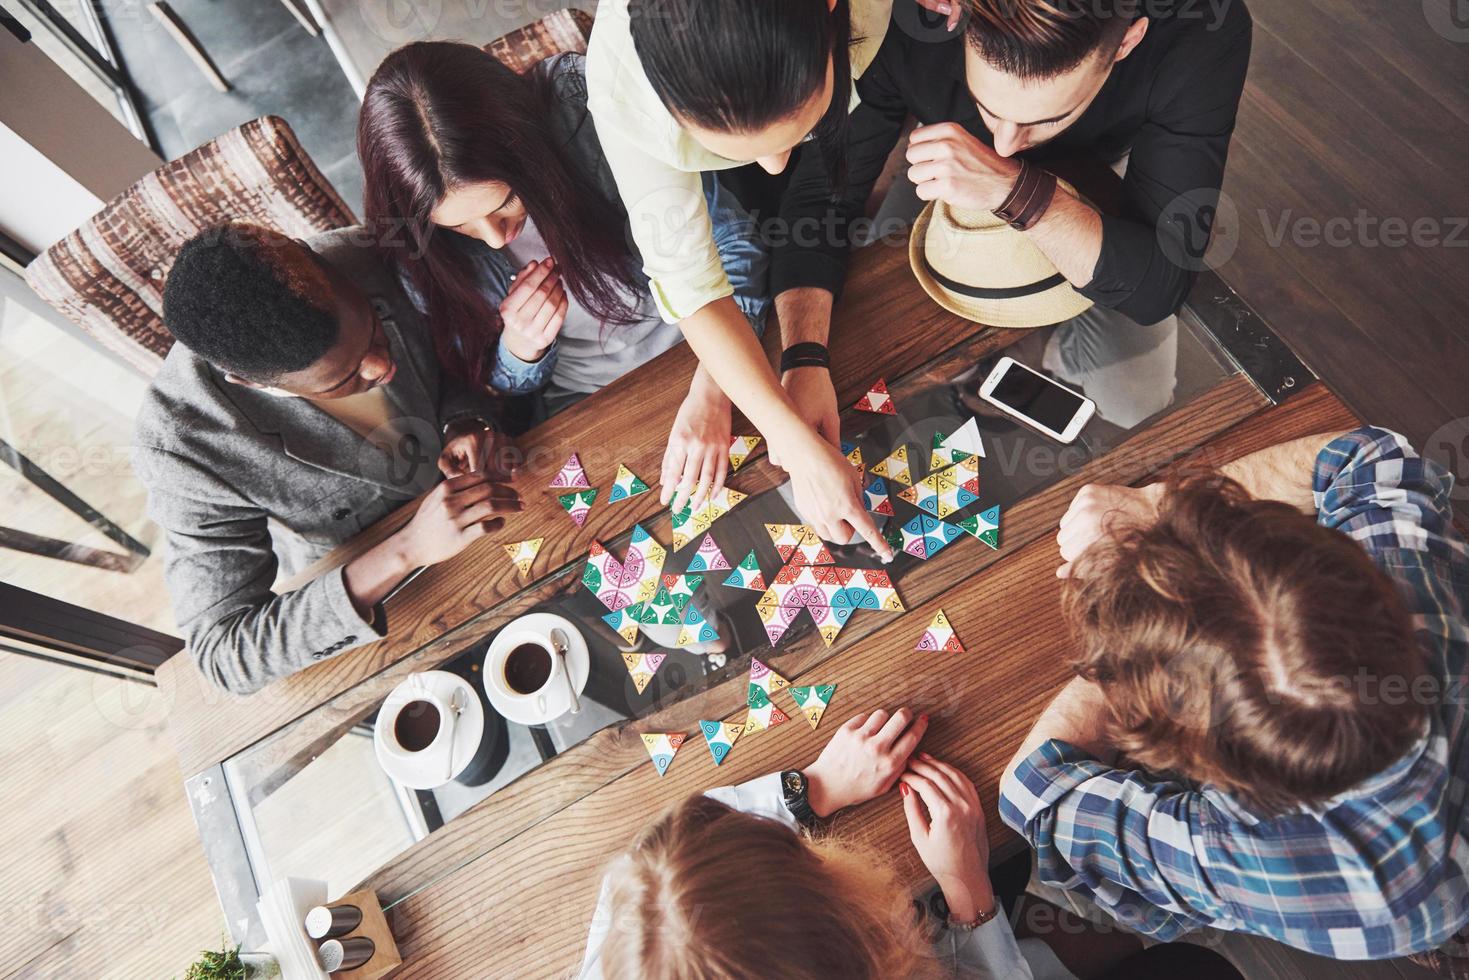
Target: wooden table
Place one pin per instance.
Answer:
(508, 888)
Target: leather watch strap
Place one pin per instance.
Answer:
(1029, 199)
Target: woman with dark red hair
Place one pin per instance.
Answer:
(489, 192)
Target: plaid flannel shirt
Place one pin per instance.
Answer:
(1375, 873)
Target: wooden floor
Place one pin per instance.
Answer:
(1361, 109)
(1349, 106)
(102, 872)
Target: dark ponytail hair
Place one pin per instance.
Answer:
(738, 66)
(439, 115)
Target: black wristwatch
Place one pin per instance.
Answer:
(794, 785)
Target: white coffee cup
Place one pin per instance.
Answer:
(417, 727)
(518, 686)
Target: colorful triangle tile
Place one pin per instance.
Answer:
(925, 536)
(641, 667)
(740, 449)
(578, 505)
(798, 544)
(985, 526)
(708, 557)
(721, 736)
(662, 746)
(965, 441)
(875, 496)
(813, 700)
(523, 553)
(747, 574)
(696, 629)
(626, 486)
(877, 400)
(572, 476)
(895, 467)
(624, 622)
(688, 523)
(939, 636)
(634, 579)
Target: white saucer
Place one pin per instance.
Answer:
(430, 771)
(558, 701)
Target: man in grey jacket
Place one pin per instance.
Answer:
(302, 403)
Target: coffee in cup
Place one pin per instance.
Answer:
(527, 668)
(417, 725)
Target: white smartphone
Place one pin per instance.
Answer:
(1036, 400)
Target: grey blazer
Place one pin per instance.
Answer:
(248, 486)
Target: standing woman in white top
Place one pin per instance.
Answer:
(679, 87)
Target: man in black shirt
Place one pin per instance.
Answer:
(1154, 83)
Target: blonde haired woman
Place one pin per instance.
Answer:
(727, 884)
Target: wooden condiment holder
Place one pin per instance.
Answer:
(374, 926)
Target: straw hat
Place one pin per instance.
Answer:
(975, 265)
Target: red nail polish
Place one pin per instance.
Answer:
(903, 787)
(923, 718)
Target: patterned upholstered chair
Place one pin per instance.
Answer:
(108, 275)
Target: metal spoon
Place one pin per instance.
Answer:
(456, 708)
(558, 640)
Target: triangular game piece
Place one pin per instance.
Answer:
(523, 553)
(571, 476)
(618, 584)
(853, 452)
(626, 486)
(813, 700)
(661, 747)
(948, 490)
(696, 629)
(925, 536)
(688, 523)
(578, 505)
(708, 557)
(641, 667)
(985, 526)
(939, 636)
(740, 449)
(759, 719)
(764, 682)
(721, 736)
(877, 400)
(965, 442)
(798, 544)
(895, 467)
(747, 575)
(624, 622)
(875, 496)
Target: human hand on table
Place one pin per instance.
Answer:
(471, 446)
(863, 759)
(811, 391)
(455, 513)
(947, 826)
(1098, 510)
(828, 492)
(696, 462)
(534, 310)
(948, 163)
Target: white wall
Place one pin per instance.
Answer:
(39, 202)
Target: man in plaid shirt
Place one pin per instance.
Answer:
(1267, 729)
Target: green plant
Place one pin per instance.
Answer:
(222, 965)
